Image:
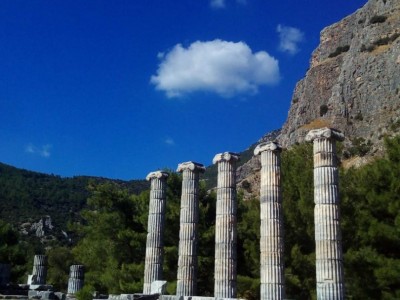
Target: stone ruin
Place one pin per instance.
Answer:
(329, 257)
(36, 287)
(75, 281)
(39, 272)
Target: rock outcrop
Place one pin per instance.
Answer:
(43, 229)
(353, 83)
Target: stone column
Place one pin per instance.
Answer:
(5, 271)
(226, 227)
(75, 282)
(272, 272)
(188, 233)
(39, 272)
(155, 229)
(328, 240)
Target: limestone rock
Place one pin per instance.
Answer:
(353, 83)
(42, 227)
(248, 174)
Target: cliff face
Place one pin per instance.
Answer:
(353, 83)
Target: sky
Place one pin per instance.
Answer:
(122, 88)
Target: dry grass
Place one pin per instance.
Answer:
(380, 49)
(394, 16)
(317, 123)
(356, 162)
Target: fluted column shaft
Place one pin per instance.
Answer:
(188, 233)
(328, 240)
(272, 272)
(225, 284)
(76, 278)
(155, 230)
(39, 269)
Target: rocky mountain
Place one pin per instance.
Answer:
(353, 84)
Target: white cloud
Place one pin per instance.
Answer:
(289, 38)
(217, 3)
(226, 68)
(43, 151)
(169, 141)
(222, 3)
(30, 148)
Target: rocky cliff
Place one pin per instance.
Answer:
(353, 84)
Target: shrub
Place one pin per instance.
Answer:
(323, 109)
(359, 117)
(339, 50)
(377, 19)
(246, 185)
(368, 48)
(360, 147)
(395, 125)
(387, 39)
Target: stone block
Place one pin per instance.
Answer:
(41, 287)
(44, 295)
(60, 296)
(158, 287)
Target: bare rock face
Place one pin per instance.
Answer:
(353, 83)
(248, 174)
(42, 227)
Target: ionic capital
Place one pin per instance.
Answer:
(267, 146)
(156, 174)
(226, 156)
(192, 166)
(328, 133)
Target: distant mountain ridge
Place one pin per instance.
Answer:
(28, 198)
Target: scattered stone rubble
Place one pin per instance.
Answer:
(329, 257)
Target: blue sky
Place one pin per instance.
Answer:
(121, 88)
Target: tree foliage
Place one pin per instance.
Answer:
(371, 227)
(13, 252)
(59, 261)
(298, 206)
(112, 244)
(113, 237)
(27, 196)
(113, 227)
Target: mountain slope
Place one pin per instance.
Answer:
(27, 197)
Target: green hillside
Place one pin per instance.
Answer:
(26, 196)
